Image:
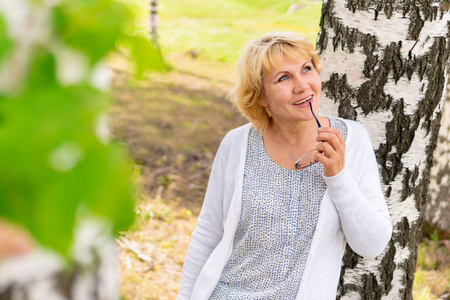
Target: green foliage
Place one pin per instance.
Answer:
(164, 181)
(5, 41)
(217, 30)
(55, 162)
(279, 6)
(426, 258)
(91, 26)
(146, 54)
(432, 270)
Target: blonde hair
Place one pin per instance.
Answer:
(259, 57)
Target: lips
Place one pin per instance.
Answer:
(303, 101)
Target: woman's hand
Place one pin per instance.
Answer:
(331, 150)
(13, 240)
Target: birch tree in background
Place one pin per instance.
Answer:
(386, 66)
(153, 19)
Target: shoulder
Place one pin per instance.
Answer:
(359, 150)
(357, 133)
(236, 135)
(358, 138)
(354, 125)
(234, 141)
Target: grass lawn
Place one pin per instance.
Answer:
(173, 123)
(218, 29)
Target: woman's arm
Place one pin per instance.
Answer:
(358, 197)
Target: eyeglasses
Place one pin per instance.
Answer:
(309, 158)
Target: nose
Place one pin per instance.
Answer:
(300, 85)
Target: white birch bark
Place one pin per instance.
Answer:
(386, 66)
(153, 19)
(91, 271)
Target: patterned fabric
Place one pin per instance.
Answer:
(280, 210)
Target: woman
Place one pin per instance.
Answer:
(276, 215)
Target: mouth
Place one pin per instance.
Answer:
(302, 101)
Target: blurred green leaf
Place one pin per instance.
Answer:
(145, 53)
(5, 42)
(90, 26)
(53, 160)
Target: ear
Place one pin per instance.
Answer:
(263, 102)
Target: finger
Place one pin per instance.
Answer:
(333, 141)
(329, 133)
(332, 161)
(328, 150)
(323, 158)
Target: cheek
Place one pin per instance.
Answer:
(317, 87)
(269, 95)
(317, 82)
(318, 90)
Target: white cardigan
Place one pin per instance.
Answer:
(353, 210)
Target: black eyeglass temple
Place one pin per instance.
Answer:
(317, 121)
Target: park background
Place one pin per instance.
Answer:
(172, 123)
(73, 182)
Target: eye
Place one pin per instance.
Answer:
(307, 68)
(282, 78)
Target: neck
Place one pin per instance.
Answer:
(293, 135)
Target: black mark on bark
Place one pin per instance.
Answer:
(326, 21)
(371, 289)
(409, 182)
(416, 25)
(387, 267)
(338, 89)
(403, 232)
(369, 45)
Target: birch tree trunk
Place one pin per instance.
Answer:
(437, 208)
(386, 66)
(91, 271)
(153, 19)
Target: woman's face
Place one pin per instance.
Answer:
(288, 90)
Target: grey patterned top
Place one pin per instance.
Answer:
(280, 210)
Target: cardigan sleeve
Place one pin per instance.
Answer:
(357, 195)
(209, 227)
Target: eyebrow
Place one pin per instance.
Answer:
(286, 72)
